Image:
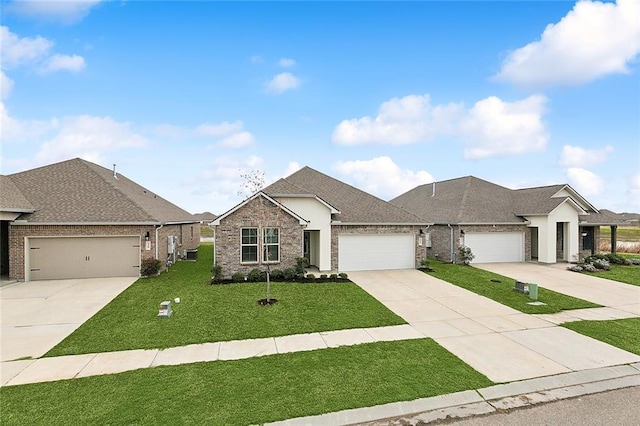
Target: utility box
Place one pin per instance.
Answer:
(521, 287)
(533, 291)
(164, 311)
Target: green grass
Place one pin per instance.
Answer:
(479, 282)
(631, 234)
(211, 313)
(251, 391)
(629, 274)
(622, 333)
(206, 231)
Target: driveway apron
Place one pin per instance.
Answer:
(503, 344)
(37, 315)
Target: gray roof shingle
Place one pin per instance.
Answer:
(11, 199)
(355, 205)
(77, 191)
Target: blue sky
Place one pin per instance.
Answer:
(185, 97)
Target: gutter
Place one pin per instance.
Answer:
(157, 229)
(453, 255)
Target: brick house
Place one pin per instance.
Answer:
(548, 224)
(76, 219)
(336, 226)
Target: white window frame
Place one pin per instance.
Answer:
(266, 245)
(256, 245)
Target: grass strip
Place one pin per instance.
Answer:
(251, 391)
(628, 274)
(621, 333)
(499, 288)
(212, 313)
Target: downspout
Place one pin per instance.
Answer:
(157, 229)
(453, 260)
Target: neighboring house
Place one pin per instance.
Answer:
(205, 218)
(547, 224)
(76, 219)
(308, 214)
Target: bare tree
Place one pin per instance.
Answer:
(253, 182)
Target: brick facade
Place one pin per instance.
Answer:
(257, 213)
(441, 238)
(18, 234)
(337, 230)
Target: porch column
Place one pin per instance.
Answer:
(614, 238)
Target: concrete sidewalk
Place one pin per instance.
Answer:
(503, 344)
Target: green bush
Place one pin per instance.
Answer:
(217, 272)
(256, 275)
(343, 275)
(150, 267)
(323, 276)
(466, 255)
(289, 274)
(301, 263)
(237, 277)
(333, 276)
(276, 274)
(311, 277)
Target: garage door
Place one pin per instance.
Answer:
(83, 257)
(375, 252)
(496, 247)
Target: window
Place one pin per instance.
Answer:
(271, 245)
(249, 245)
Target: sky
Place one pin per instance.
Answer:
(186, 98)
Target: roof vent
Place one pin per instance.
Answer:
(115, 175)
(433, 193)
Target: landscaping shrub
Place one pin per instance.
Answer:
(301, 263)
(589, 268)
(333, 276)
(466, 255)
(289, 274)
(256, 275)
(311, 277)
(150, 267)
(575, 268)
(237, 277)
(323, 276)
(217, 273)
(276, 274)
(343, 275)
(602, 264)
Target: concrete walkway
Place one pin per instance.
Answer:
(37, 315)
(503, 344)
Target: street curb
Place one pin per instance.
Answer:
(482, 401)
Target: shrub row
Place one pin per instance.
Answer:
(278, 275)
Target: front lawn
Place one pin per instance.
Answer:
(499, 288)
(250, 391)
(211, 313)
(622, 333)
(629, 274)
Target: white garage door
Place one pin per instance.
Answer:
(494, 247)
(83, 257)
(376, 252)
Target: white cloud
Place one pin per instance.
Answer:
(18, 51)
(593, 40)
(585, 182)
(634, 191)
(399, 121)
(575, 156)
(292, 167)
(380, 176)
(66, 12)
(73, 63)
(496, 128)
(6, 85)
(19, 131)
(237, 140)
(88, 137)
(286, 62)
(231, 135)
(282, 82)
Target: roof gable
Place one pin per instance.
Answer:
(11, 199)
(352, 204)
(262, 195)
(77, 191)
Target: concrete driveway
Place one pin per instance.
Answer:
(37, 315)
(503, 344)
(556, 277)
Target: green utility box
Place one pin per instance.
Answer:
(533, 291)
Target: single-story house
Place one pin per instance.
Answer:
(336, 226)
(547, 224)
(76, 219)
